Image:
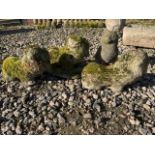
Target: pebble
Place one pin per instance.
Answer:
(132, 121)
(71, 103)
(142, 131)
(71, 87)
(64, 95)
(87, 116)
(9, 90)
(113, 104)
(97, 107)
(40, 107)
(71, 98)
(61, 119)
(87, 102)
(153, 130)
(40, 127)
(18, 130)
(16, 113)
(146, 107)
(105, 99)
(29, 88)
(95, 96)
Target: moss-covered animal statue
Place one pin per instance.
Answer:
(34, 62)
(126, 70)
(68, 61)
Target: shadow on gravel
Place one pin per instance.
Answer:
(8, 32)
(148, 80)
(152, 60)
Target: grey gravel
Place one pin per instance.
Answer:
(87, 116)
(51, 105)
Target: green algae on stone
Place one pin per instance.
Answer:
(126, 70)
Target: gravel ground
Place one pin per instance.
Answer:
(51, 105)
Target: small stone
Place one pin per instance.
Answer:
(16, 113)
(71, 98)
(73, 122)
(87, 116)
(87, 102)
(51, 103)
(64, 95)
(105, 99)
(147, 107)
(71, 103)
(142, 131)
(95, 96)
(71, 87)
(41, 127)
(144, 88)
(137, 122)
(18, 130)
(132, 121)
(30, 83)
(148, 102)
(97, 107)
(114, 104)
(61, 119)
(153, 130)
(9, 90)
(29, 88)
(31, 113)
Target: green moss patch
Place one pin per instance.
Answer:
(12, 68)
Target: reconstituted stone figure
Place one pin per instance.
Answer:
(109, 40)
(109, 49)
(115, 25)
(64, 61)
(126, 70)
(34, 63)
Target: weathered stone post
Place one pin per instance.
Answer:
(109, 40)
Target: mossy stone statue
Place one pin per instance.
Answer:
(126, 70)
(34, 62)
(68, 61)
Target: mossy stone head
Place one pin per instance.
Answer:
(78, 43)
(36, 60)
